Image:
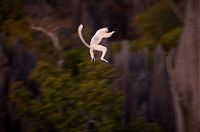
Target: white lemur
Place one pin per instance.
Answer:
(95, 41)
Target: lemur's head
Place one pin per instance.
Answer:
(105, 29)
(102, 30)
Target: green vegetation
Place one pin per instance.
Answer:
(74, 102)
(13, 22)
(157, 24)
(156, 21)
(139, 44)
(10, 9)
(170, 39)
(17, 30)
(140, 125)
(74, 98)
(70, 103)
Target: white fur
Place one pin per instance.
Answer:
(95, 41)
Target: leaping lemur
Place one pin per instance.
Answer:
(95, 41)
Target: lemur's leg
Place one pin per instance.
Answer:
(92, 55)
(103, 50)
(103, 54)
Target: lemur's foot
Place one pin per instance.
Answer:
(93, 60)
(104, 60)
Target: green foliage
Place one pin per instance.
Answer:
(116, 47)
(139, 44)
(72, 59)
(170, 39)
(70, 103)
(10, 9)
(13, 22)
(43, 49)
(140, 125)
(17, 30)
(74, 103)
(156, 21)
(157, 24)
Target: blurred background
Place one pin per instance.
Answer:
(49, 84)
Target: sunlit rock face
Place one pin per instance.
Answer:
(187, 69)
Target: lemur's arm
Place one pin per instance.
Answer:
(107, 35)
(97, 38)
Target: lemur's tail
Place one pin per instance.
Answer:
(80, 35)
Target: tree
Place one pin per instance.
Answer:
(70, 103)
